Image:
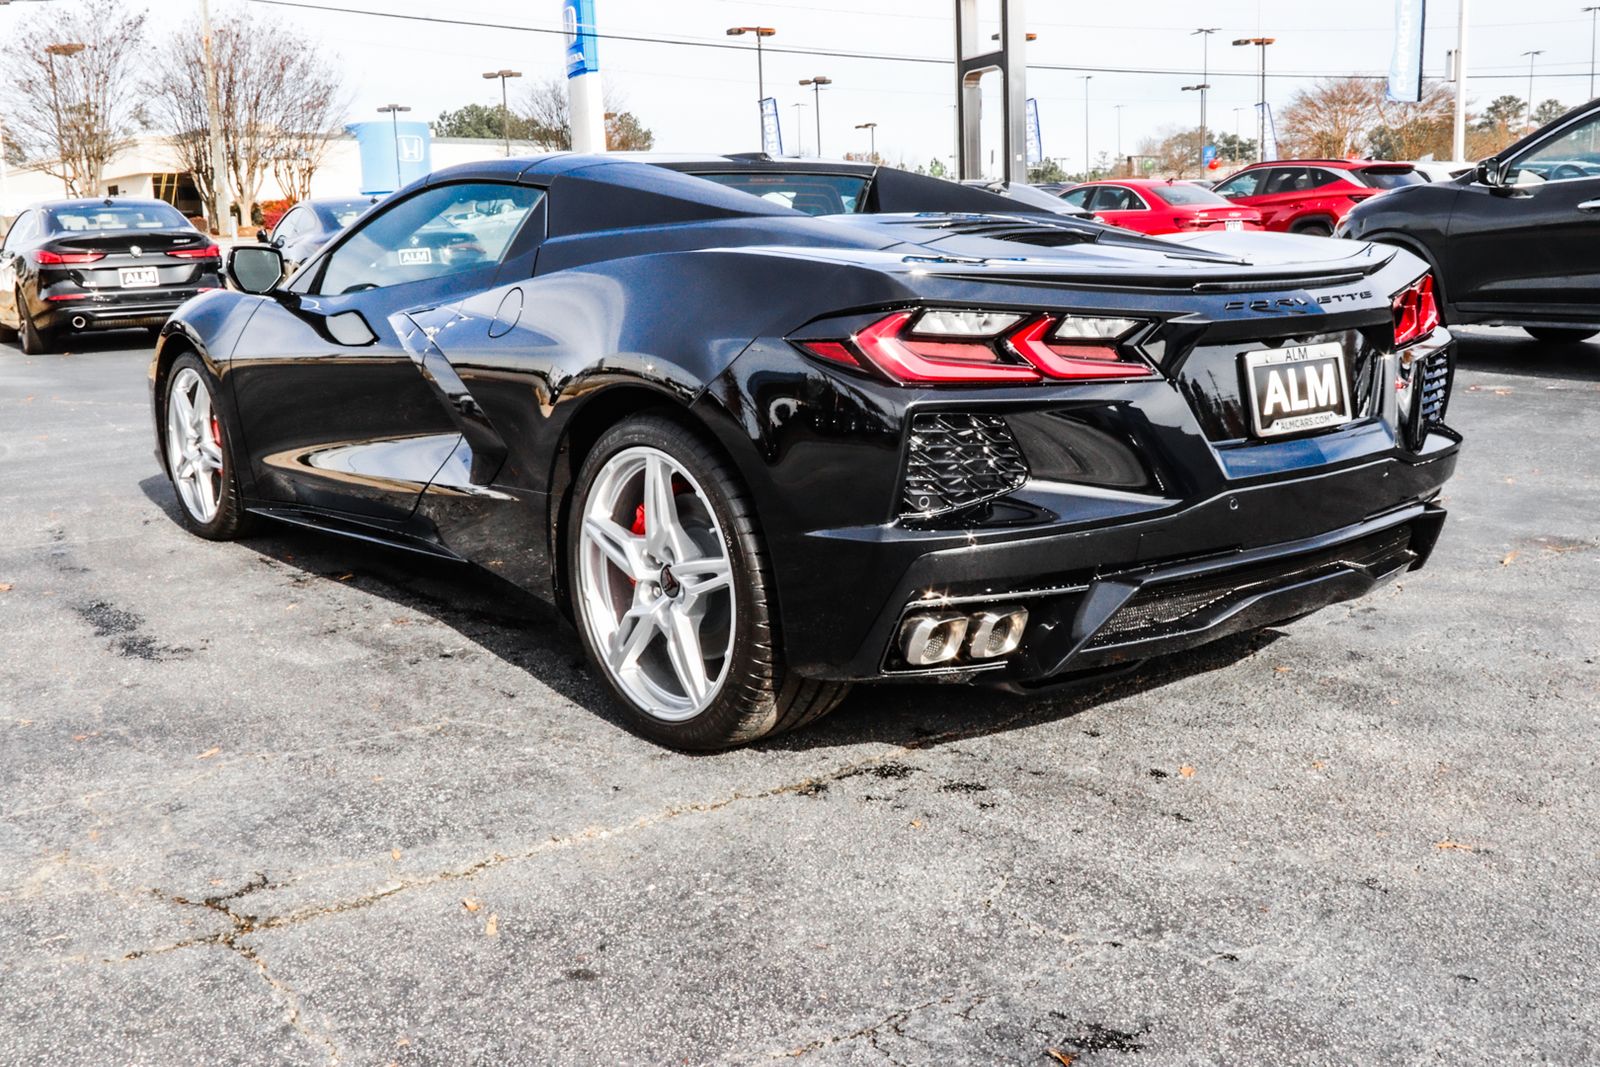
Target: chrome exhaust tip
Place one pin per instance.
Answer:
(927, 640)
(996, 633)
(79, 322)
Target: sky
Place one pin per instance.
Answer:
(698, 99)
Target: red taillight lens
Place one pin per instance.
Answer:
(907, 359)
(1084, 359)
(1416, 311)
(53, 259)
(977, 347)
(208, 252)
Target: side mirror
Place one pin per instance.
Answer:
(1490, 172)
(255, 268)
(261, 235)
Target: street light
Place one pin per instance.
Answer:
(1201, 89)
(65, 51)
(1118, 109)
(1592, 11)
(1204, 33)
(761, 77)
(393, 111)
(1088, 164)
(1536, 53)
(872, 131)
(505, 107)
(816, 90)
(1261, 105)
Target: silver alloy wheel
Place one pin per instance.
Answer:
(194, 445)
(656, 584)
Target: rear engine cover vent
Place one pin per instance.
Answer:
(956, 459)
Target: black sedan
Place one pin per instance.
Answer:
(758, 456)
(310, 224)
(1513, 243)
(114, 264)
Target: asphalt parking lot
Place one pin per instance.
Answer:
(294, 800)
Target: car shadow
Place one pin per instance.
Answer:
(1514, 352)
(531, 635)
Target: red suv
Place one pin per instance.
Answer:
(1313, 195)
(1151, 206)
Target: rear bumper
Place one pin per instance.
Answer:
(121, 311)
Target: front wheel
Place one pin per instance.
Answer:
(670, 588)
(199, 459)
(1559, 335)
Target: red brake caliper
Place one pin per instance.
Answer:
(216, 435)
(637, 529)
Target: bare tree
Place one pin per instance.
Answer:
(72, 108)
(546, 111)
(280, 98)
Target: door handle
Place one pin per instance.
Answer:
(1589, 205)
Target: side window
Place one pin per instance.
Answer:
(19, 231)
(291, 226)
(1246, 184)
(1078, 197)
(1320, 177)
(1287, 180)
(1572, 156)
(445, 230)
(1117, 198)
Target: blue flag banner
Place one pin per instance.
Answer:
(1405, 68)
(392, 155)
(1207, 154)
(583, 52)
(1035, 140)
(771, 132)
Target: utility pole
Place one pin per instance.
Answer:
(1088, 163)
(872, 132)
(799, 130)
(221, 191)
(393, 111)
(816, 88)
(505, 106)
(1458, 133)
(1204, 34)
(1118, 109)
(1261, 114)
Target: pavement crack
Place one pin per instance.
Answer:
(894, 1022)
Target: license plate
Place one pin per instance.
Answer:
(134, 277)
(1297, 388)
(1233, 224)
(415, 257)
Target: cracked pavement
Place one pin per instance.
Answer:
(296, 801)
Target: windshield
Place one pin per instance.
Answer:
(1391, 178)
(342, 213)
(1180, 195)
(815, 194)
(81, 218)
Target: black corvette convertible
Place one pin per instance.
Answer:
(765, 429)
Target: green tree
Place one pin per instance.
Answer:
(1502, 112)
(1048, 170)
(1234, 149)
(1548, 112)
(479, 120)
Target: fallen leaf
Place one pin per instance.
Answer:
(1317, 765)
(394, 854)
(1505, 560)
(5, 587)
(1453, 845)
(1282, 670)
(916, 824)
(400, 620)
(492, 927)
(1186, 770)
(471, 904)
(85, 737)
(208, 753)
(1061, 1057)
(346, 576)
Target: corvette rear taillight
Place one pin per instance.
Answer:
(1416, 311)
(52, 259)
(208, 252)
(943, 346)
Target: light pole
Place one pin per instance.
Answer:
(816, 89)
(1533, 55)
(872, 131)
(1261, 105)
(1592, 11)
(799, 130)
(505, 107)
(1204, 33)
(393, 111)
(1201, 88)
(1118, 109)
(1088, 164)
(761, 76)
(1458, 130)
(64, 51)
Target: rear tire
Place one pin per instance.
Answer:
(1314, 228)
(35, 342)
(1559, 335)
(725, 684)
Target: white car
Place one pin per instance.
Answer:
(1442, 170)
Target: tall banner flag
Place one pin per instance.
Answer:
(1035, 140)
(771, 132)
(1405, 68)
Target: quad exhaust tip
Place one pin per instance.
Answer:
(929, 639)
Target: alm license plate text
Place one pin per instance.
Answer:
(1297, 388)
(134, 277)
